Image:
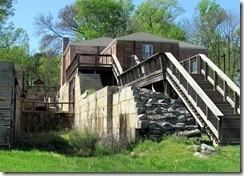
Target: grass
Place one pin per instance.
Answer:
(170, 155)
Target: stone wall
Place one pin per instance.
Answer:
(131, 114)
(160, 116)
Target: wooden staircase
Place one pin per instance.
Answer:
(231, 121)
(209, 103)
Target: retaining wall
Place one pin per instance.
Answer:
(130, 114)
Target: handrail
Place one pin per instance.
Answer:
(203, 68)
(117, 65)
(141, 63)
(195, 86)
(221, 74)
(198, 98)
(150, 67)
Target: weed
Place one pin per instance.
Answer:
(91, 91)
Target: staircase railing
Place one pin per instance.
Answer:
(143, 70)
(228, 89)
(167, 66)
(116, 68)
(208, 111)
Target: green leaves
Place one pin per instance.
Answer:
(6, 10)
(102, 18)
(157, 17)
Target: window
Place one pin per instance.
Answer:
(147, 51)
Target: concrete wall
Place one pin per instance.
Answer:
(108, 112)
(10, 104)
(64, 95)
(95, 111)
(125, 116)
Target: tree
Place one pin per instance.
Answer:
(6, 10)
(49, 69)
(86, 19)
(219, 31)
(50, 32)
(157, 17)
(9, 36)
(230, 30)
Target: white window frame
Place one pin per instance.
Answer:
(147, 51)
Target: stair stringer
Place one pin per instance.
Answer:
(203, 123)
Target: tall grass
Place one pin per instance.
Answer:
(58, 153)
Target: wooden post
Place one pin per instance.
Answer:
(206, 71)
(216, 80)
(190, 70)
(166, 88)
(197, 100)
(208, 113)
(225, 88)
(236, 105)
(198, 59)
(162, 64)
(220, 129)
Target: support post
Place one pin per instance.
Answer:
(216, 80)
(236, 105)
(225, 88)
(198, 59)
(220, 129)
(206, 71)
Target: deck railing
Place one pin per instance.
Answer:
(89, 60)
(40, 106)
(228, 89)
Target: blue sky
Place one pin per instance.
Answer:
(27, 10)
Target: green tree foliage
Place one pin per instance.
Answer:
(6, 10)
(45, 66)
(9, 36)
(103, 17)
(157, 17)
(84, 20)
(49, 69)
(219, 31)
(14, 48)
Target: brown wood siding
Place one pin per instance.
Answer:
(186, 53)
(125, 49)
